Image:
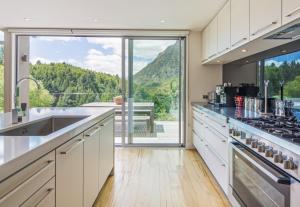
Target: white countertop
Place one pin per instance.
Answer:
(18, 151)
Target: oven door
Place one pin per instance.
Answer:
(256, 183)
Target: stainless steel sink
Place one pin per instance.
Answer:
(42, 127)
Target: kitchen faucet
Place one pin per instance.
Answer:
(16, 94)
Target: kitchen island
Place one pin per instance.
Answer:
(56, 156)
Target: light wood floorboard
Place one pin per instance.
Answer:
(160, 177)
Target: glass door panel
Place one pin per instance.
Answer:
(154, 89)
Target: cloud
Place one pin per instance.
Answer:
(149, 49)
(107, 43)
(270, 62)
(1, 36)
(48, 61)
(58, 38)
(109, 63)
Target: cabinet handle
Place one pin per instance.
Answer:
(93, 132)
(74, 146)
(105, 123)
(239, 41)
(224, 141)
(44, 197)
(293, 12)
(212, 55)
(34, 176)
(264, 28)
(227, 48)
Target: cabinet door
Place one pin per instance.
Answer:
(224, 29)
(69, 173)
(265, 16)
(213, 38)
(91, 165)
(205, 44)
(239, 22)
(290, 10)
(106, 150)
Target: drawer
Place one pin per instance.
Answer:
(196, 141)
(217, 167)
(21, 185)
(198, 127)
(218, 142)
(44, 197)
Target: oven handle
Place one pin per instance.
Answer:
(281, 180)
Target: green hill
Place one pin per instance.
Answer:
(164, 67)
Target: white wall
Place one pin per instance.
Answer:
(200, 79)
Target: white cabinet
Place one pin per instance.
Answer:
(239, 22)
(290, 10)
(265, 16)
(20, 186)
(91, 165)
(69, 173)
(210, 40)
(224, 29)
(106, 155)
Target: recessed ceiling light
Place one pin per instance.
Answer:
(218, 61)
(95, 20)
(27, 19)
(244, 50)
(162, 21)
(283, 51)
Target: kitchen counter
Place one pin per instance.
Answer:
(233, 114)
(18, 151)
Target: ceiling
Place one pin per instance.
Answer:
(109, 14)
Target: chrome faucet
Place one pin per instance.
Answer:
(16, 94)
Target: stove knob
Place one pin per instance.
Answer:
(248, 140)
(278, 158)
(261, 147)
(269, 152)
(288, 164)
(254, 143)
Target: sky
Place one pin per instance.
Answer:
(94, 53)
(280, 59)
(1, 36)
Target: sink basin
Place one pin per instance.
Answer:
(42, 127)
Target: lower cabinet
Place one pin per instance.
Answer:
(212, 145)
(106, 155)
(69, 173)
(29, 185)
(91, 165)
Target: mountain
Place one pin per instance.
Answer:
(164, 67)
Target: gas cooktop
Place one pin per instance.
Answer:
(287, 128)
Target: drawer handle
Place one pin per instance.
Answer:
(34, 176)
(44, 197)
(293, 12)
(97, 129)
(74, 146)
(264, 28)
(224, 141)
(223, 126)
(223, 165)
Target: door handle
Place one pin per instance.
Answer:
(74, 146)
(264, 28)
(293, 12)
(239, 41)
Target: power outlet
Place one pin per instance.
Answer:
(205, 96)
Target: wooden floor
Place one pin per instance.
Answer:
(156, 177)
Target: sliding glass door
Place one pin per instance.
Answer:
(154, 89)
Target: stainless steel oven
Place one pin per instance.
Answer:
(254, 182)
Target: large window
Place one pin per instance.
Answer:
(284, 68)
(1, 71)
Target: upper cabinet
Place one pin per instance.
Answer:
(210, 40)
(224, 29)
(265, 16)
(239, 22)
(290, 10)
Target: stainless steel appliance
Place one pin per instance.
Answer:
(262, 173)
